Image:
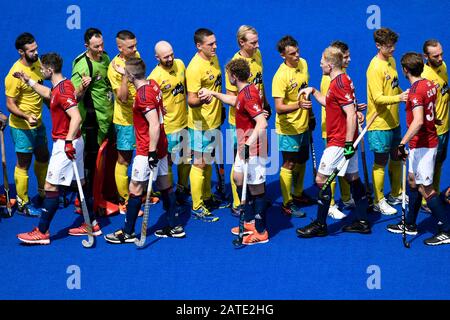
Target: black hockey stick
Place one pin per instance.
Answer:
(313, 155)
(5, 176)
(366, 172)
(343, 162)
(140, 242)
(404, 177)
(90, 242)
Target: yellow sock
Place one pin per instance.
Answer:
(183, 174)
(333, 192)
(437, 176)
(378, 182)
(299, 176)
(344, 186)
(197, 178)
(40, 170)
(121, 174)
(207, 174)
(21, 181)
(395, 176)
(236, 200)
(170, 174)
(286, 184)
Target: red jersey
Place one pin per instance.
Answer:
(62, 98)
(148, 98)
(249, 105)
(423, 94)
(340, 94)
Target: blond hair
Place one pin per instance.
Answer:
(242, 31)
(334, 56)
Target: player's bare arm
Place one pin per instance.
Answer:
(12, 107)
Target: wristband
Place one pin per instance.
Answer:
(31, 82)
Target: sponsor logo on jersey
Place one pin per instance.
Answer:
(179, 88)
(394, 82)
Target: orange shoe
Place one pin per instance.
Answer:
(82, 230)
(256, 238)
(35, 237)
(249, 228)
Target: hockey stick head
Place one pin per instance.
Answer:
(406, 244)
(88, 243)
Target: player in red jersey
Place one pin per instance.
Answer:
(423, 142)
(151, 154)
(252, 141)
(67, 144)
(341, 125)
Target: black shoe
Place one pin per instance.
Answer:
(169, 232)
(411, 229)
(358, 226)
(314, 229)
(437, 239)
(214, 203)
(120, 237)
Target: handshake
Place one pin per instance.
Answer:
(205, 95)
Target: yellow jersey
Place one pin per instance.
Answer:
(286, 84)
(382, 94)
(256, 72)
(173, 86)
(202, 73)
(439, 76)
(123, 112)
(27, 100)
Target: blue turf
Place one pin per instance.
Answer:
(205, 265)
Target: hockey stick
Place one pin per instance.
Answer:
(5, 176)
(238, 241)
(313, 155)
(365, 170)
(90, 242)
(405, 242)
(140, 242)
(343, 162)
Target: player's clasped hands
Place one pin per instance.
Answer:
(21, 75)
(205, 95)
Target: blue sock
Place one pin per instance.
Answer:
(415, 201)
(134, 204)
(50, 205)
(359, 195)
(438, 210)
(323, 205)
(169, 205)
(260, 208)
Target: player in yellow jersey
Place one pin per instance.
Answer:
(247, 38)
(292, 123)
(344, 187)
(436, 70)
(171, 78)
(383, 98)
(204, 120)
(27, 130)
(124, 93)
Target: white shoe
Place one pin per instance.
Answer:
(397, 200)
(335, 213)
(384, 208)
(348, 205)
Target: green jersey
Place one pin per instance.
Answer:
(97, 103)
